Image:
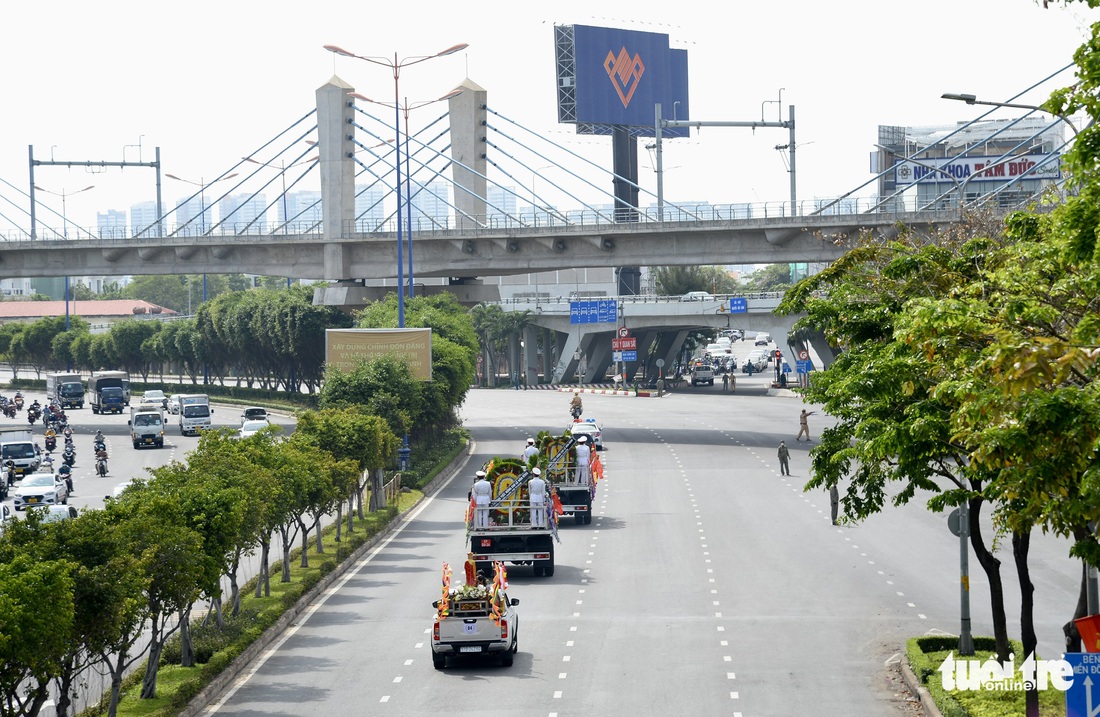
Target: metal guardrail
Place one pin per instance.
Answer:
(639, 299)
(577, 221)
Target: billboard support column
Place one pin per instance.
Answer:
(660, 163)
(625, 158)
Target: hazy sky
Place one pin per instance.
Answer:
(208, 82)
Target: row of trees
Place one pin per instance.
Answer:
(969, 370)
(82, 593)
(273, 338)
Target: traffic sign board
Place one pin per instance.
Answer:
(739, 305)
(804, 366)
(623, 332)
(803, 354)
(1081, 700)
(630, 356)
(630, 343)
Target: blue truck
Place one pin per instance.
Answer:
(109, 391)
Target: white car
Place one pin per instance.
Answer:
(155, 396)
(251, 428)
(58, 513)
(588, 427)
(254, 413)
(41, 489)
(174, 403)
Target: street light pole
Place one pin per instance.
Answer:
(202, 185)
(972, 100)
(65, 234)
(395, 66)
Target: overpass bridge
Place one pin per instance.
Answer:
(660, 324)
(477, 240)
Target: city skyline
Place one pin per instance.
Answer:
(879, 64)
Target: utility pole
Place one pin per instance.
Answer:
(661, 123)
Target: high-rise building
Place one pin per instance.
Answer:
(143, 218)
(244, 213)
(431, 205)
(303, 212)
(1016, 159)
(501, 202)
(111, 223)
(369, 210)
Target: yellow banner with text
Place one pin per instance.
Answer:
(345, 349)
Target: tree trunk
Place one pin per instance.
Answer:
(992, 567)
(65, 687)
(263, 579)
(305, 544)
(1021, 544)
(116, 685)
(287, 539)
(377, 494)
(351, 513)
(359, 497)
(187, 649)
(1073, 637)
(234, 588)
(317, 531)
(152, 664)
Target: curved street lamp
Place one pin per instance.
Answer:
(395, 66)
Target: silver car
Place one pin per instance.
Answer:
(41, 489)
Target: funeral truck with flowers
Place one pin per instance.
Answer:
(573, 493)
(476, 618)
(505, 529)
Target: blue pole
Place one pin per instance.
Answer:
(408, 198)
(397, 185)
(68, 359)
(205, 366)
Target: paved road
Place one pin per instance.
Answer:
(706, 584)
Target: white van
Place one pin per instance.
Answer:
(763, 339)
(697, 296)
(194, 413)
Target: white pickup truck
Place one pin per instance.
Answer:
(475, 620)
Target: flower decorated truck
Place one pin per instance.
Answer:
(558, 455)
(476, 618)
(504, 529)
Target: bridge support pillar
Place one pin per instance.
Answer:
(530, 360)
(334, 149)
(599, 358)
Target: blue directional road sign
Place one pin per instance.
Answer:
(804, 366)
(596, 311)
(1083, 696)
(739, 305)
(630, 355)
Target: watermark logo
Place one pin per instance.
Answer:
(967, 675)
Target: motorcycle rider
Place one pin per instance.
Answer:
(66, 473)
(10, 470)
(576, 408)
(101, 458)
(51, 439)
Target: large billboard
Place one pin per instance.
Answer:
(609, 77)
(345, 349)
(978, 169)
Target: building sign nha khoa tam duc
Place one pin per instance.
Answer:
(345, 349)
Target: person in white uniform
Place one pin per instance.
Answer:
(536, 489)
(530, 450)
(584, 461)
(482, 494)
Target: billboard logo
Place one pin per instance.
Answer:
(625, 73)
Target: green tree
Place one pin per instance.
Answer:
(679, 280)
(773, 277)
(33, 640)
(127, 345)
(893, 428)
